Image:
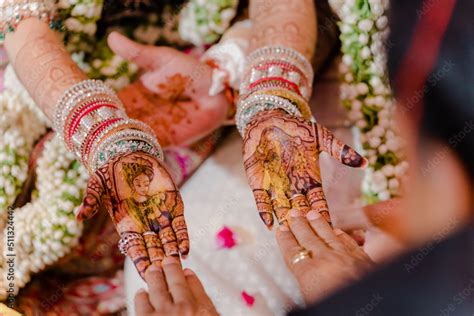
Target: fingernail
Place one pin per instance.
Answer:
(313, 215)
(189, 272)
(338, 232)
(295, 213)
(170, 260)
(141, 291)
(284, 228)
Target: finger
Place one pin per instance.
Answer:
(317, 201)
(322, 228)
(168, 240)
(281, 206)
(304, 234)
(177, 285)
(346, 240)
(299, 202)
(142, 303)
(179, 226)
(91, 201)
(153, 246)
(159, 295)
(196, 287)
(264, 207)
(137, 252)
(146, 57)
(337, 149)
(288, 244)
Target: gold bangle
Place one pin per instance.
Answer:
(294, 98)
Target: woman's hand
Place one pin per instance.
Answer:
(173, 291)
(281, 157)
(335, 258)
(172, 95)
(144, 204)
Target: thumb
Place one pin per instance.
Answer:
(91, 202)
(142, 55)
(343, 153)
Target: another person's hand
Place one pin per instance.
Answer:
(321, 258)
(173, 292)
(172, 95)
(281, 157)
(145, 206)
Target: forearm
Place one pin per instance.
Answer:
(290, 23)
(42, 63)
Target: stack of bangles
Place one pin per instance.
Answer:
(275, 77)
(96, 128)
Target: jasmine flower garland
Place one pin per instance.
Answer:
(366, 94)
(204, 21)
(46, 228)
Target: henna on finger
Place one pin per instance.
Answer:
(317, 201)
(264, 207)
(181, 232)
(282, 207)
(168, 240)
(153, 246)
(138, 253)
(299, 202)
(337, 149)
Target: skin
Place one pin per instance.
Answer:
(47, 70)
(172, 95)
(173, 291)
(336, 259)
(151, 206)
(281, 152)
(281, 158)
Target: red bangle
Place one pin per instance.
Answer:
(292, 85)
(76, 120)
(89, 141)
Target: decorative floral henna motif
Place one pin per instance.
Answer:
(281, 158)
(144, 204)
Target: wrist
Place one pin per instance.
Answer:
(275, 78)
(93, 124)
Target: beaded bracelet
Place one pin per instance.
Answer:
(281, 53)
(128, 240)
(123, 142)
(14, 11)
(274, 70)
(257, 103)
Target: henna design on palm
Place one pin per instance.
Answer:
(143, 201)
(281, 158)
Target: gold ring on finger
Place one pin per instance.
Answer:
(300, 256)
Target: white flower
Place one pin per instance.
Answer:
(379, 182)
(388, 170)
(363, 39)
(73, 24)
(90, 28)
(374, 142)
(347, 59)
(381, 22)
(393, 184)
(79, 10)
(366, 25)
(384, 195)
(362, 88)
(365, 53)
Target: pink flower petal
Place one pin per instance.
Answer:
(248, 299)
(226, 238)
